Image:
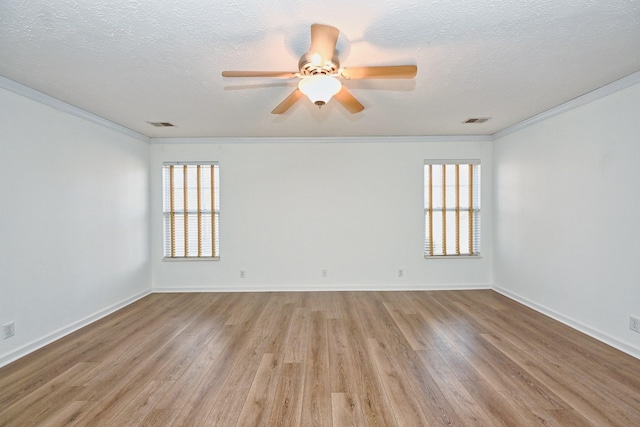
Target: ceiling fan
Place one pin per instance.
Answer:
(320, 73)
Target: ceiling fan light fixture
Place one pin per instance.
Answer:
(321, 74)
(319, 88)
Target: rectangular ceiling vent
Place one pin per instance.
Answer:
(161, 124)
(476, 120)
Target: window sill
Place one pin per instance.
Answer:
(193, 258)
(453, 257)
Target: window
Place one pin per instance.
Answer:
(452, 208)
(191, 210)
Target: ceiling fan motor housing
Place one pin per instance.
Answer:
(309, 65)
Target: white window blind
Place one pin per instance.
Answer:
(191, 210)
(452, 208)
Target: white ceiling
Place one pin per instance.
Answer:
(136, 61)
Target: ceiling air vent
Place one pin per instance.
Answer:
(476, 120)
(161, 124)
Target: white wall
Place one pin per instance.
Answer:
(567, 217)
(293, 208)
(74, 221)
(80, 239)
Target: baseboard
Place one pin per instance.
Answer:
(22, 351)
(327, 288)
(600, 336)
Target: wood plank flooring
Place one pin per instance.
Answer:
(462, 358)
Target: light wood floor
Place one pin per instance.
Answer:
(331, 358)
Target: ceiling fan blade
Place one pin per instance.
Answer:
(345, 98)
(384, 72)
(277, 74)
(288, 102)
(323, 41)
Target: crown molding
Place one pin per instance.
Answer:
(323, 140)
(587, 98)
(601, 92)
(50, 101)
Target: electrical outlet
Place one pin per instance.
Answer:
(242, 276)
(634, 324)
(324, 273)
(8, 330)
(400, 273)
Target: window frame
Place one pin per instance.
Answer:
(472, 211)
(170, 213)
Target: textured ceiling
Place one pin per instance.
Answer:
(134, 62)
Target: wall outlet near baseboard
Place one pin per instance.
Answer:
(242, 275)
(634, 324)
(8, 330)
(400, 272)
(324, 273)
